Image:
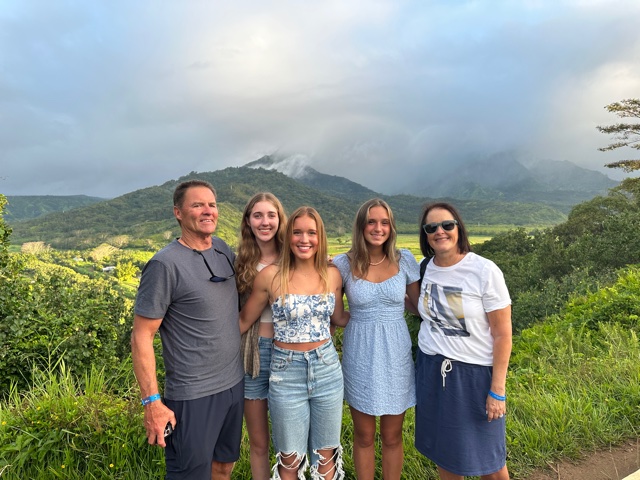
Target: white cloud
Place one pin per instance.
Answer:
(103, 98)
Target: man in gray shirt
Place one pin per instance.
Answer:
(188, 292)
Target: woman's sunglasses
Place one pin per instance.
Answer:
(448, 225)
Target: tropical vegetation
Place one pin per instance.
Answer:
(69, 404)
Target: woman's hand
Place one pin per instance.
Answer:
(500, 325)
(411, 298)
(496, 409)
(340, 316)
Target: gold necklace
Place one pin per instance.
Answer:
(187, 245)
(378, 263)
(303, 274)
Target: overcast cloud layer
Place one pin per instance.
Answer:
(103, 98)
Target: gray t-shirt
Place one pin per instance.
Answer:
(199, 332)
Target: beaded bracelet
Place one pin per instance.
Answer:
(149, 399)
(496, 396)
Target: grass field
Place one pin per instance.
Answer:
(411, 242)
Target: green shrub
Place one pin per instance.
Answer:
(50, 310)
(550, 295)
(619, 304)
(5, 232)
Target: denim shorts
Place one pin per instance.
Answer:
(305, 402)
(258, 388)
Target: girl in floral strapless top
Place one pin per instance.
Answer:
(305, 383)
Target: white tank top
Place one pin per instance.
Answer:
(267, 315)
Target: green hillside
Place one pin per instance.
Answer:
(25, 207)
(330, 184)
(145, 217)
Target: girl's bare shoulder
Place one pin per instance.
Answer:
(334, 275)
(266, 275)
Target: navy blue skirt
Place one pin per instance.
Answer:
(451, 421)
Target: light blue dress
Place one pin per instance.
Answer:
(377, 363)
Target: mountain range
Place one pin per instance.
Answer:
(508, 177)
(145, 215)
(33, 206)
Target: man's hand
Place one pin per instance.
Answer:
(156, 417)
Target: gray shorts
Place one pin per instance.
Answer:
(208, 429)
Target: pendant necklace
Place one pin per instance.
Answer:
(194, 249)
(378, 263)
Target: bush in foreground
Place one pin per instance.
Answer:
(574, 386)
(48, 310)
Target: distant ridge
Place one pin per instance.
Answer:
(144, 218)
(296, 167)
(22, 207)
(507, 177)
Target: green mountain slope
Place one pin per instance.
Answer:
(329, 184)
(21, 207)
(145, 217)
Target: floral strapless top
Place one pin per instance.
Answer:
(302, 318)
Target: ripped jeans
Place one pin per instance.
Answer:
(305, 404)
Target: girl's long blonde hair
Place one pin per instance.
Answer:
(287, 259)
(248, 251)
(359, 253)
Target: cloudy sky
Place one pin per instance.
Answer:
(105, 97)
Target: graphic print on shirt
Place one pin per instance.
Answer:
(444, 305)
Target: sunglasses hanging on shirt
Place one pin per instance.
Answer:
(215, 278)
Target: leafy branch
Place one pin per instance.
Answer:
(625, 134)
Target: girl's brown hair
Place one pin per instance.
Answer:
(248, 251)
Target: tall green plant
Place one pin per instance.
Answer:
(5, 231)
(49, 310)
(65, 426)
(625, 134)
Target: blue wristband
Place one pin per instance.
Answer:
(149, 399)
(493, 394)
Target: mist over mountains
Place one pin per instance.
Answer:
(505, 176)
(298, 168)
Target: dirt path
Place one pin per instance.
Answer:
(614, 463)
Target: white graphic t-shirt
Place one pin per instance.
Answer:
(453, 303)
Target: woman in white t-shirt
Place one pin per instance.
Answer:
(464, 349)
